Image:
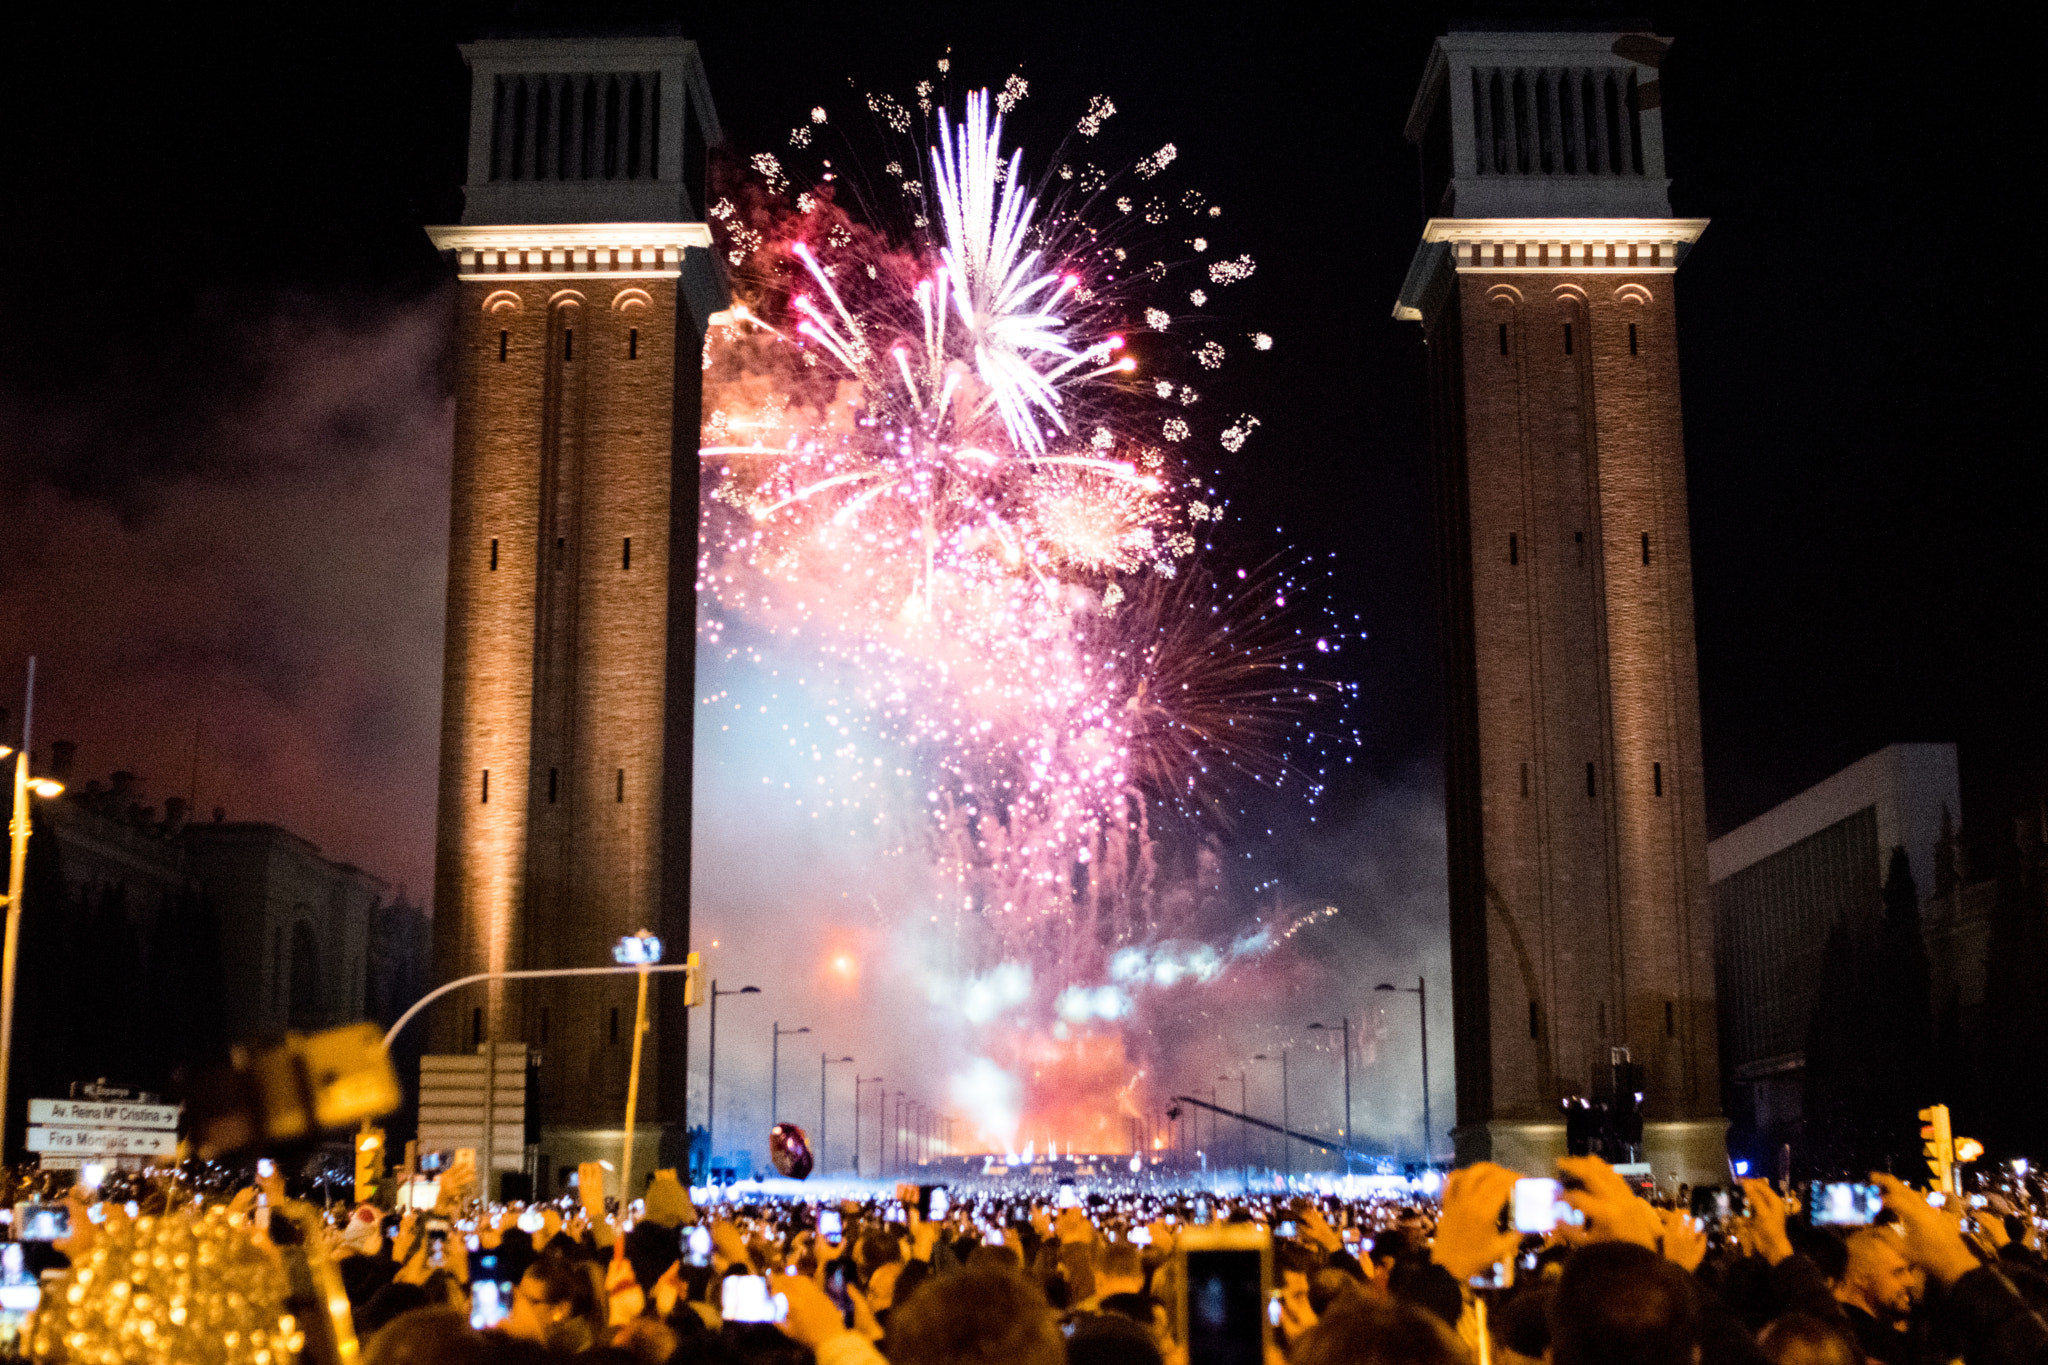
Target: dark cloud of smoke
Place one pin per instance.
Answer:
(229, 557)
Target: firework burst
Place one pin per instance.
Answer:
(935, 463)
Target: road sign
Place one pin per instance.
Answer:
(102, 1114)
(475, 1101)
(90, 1129)
(103, 1141)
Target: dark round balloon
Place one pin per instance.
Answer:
(790, 1150)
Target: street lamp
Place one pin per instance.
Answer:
(1420, 990)
(1244, 1154)
(858, 1082)
(775, 1069)
(641, 950)
(823, 1063)
(1348, 1142)
(17, 864)
(1286, 1137)
(711, 1080)
(896, 1129)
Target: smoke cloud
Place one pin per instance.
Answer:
(230, 563)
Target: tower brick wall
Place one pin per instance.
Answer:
(1575, 801)
(565, 777)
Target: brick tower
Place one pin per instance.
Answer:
(1575, 804)
(585, 284)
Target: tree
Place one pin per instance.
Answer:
(1901, 1020)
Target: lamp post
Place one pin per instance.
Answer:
(1348, 1143)
(824, 1062)
(775, 1068)
(1420, 990)
(896, 1130)
(1244, 1150)
(640, 950)
(17, 865)
(1286, 1151)
(711, 1079)
(858, 1082)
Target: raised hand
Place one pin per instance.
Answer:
(1767, 1213)
(1614, 1212)
(1932, 1242)
(1468, 1235)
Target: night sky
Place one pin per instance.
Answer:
(224, 417)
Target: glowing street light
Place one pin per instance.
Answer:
(711, 1080)
(775, 1069)
(825, 1063)
(1348, 1140)
(1420, 990)
(1286, 1137)
(17, 864)
(640, 950)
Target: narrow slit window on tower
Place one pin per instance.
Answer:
(1579, 539)
(1514, 549)
(1670, 1019)
(1646, 547)
(633, 341)
(476, 1027)
(504, 345)
(1535, 1027)
(1631, 338)
(487, 784)
(1590, 789)
(1567, 338)
(569, 343)
(494, 554)
(1503, 338)
(622, 787)
(615, 1024)
(554, 784)
(543, 1025)
(626, 554)
(1525, 779)
(1657, 779)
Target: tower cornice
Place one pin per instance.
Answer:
(1540, 246)
(571, 250)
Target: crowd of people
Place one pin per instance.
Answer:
(1091, 1277)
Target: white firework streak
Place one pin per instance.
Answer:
(1004, 301)
(1019, 345)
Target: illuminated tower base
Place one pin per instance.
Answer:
(1580, 927)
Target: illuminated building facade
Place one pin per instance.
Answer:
(585, 285)
(1580, 922)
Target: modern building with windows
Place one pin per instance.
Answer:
(1784, 881)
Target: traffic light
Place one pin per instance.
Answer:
(691, 991)
(1628, 1107)
(1937, 1144)
(369, 1163)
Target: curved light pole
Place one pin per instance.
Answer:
(1420, 990)
(858, 1082)
(17, 864)
(711, 1081)
(1348, 1142)
(823, 1063)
